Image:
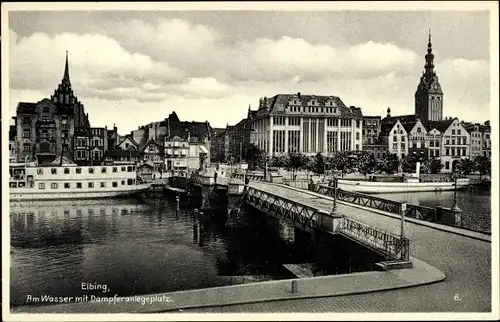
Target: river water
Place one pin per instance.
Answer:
(142, 246)
(472, 201)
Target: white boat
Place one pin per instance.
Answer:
(73, 182)
(406, 185)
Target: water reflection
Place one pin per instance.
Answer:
(140, 246)
(471, 201)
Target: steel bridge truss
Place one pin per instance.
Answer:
(390, 246)
(359, 198)
(306, 217)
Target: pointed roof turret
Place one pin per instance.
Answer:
(66, 70)
(429, 80)
(63, 95)
(429, 59)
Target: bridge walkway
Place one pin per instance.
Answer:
(465, 261)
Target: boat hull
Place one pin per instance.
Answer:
(398, 187)
(30, 194)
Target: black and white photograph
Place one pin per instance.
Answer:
(245, 161)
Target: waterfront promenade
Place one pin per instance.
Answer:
(465, 261)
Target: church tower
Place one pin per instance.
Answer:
(429, 96)
(67, 102)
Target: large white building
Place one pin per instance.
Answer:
(308, 124)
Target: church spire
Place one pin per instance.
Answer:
(429, 60)
(66, 70)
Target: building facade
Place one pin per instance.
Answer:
(429, 95)
(98, 145)
(394, 139)
(418, 139)
(12, 144)
(45, 129)
(434, 144)
(153, 153)
(371, 130)
(220, 147)
(306, 124)
(128, 143)
(81, 150)
(486, 139)
(476, 139)
(176, 153)
(118, 156)
(455, 142)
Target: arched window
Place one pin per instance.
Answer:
(45, 110)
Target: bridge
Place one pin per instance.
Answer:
(307, 217)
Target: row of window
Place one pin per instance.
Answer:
(79, 185)
(403, 139)
(458, 150)
(91, 170)
(395, 146)
(462, 139)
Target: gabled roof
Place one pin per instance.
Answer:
(26, 108)
(145, 164)
(441, 126)
(371, 117)
(152, 141)
(408, 126)
(357, 112)
(401, 118)
(200, 130)
(386, 129)
(284, 99)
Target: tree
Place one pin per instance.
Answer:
(483, 165)
(255, 157)
(296, 161)
(340, 161)
(465, 166)
(318, 164)
(389, 163)
(432, 166)
(280, 161)
(409, 163)
(366, 163)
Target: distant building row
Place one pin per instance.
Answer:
(166, 145)
(293, 123)
(58, 127)
(448, 140)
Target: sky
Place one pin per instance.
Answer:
(131, 68)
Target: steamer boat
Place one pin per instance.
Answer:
(404, 185)
(49, 182)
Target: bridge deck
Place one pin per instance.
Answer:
(465, 261)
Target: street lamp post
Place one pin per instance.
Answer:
(455, 205)
(335, 188)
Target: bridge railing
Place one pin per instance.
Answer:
(308, 217)
(479, 223)
(358, 198)
(251, 177)
(392, 246)
(297, 183)
(421, 212)
(304, 216)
